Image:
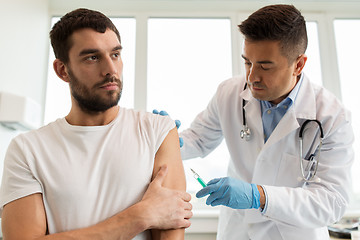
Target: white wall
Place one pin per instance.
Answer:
(24, 45)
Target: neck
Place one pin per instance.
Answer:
(79, 117)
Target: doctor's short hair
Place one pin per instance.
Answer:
(283, 23)
(81, 18)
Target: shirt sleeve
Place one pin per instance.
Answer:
(263, 211)
(204, 134)
(18, 180)
(162, 126)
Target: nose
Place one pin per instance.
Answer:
(253, 75)
(111, 67)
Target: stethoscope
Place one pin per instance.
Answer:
(245, 133)
(309, 173)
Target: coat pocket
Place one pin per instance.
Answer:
(289, 172)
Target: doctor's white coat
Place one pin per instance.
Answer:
(293, 212)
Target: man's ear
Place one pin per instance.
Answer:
(61, 70)
(300, 64)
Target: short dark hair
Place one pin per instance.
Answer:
(78, 19)
(283, 23)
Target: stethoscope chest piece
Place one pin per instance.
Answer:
(245, 133)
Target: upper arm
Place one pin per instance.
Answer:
(169, 154)
(24, 218)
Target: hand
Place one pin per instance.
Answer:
(232, 193)
(177, 123)
(166, 208)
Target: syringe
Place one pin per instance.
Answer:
(198, 178)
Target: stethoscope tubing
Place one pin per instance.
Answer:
(313, 159)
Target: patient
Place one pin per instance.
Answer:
(102, 172)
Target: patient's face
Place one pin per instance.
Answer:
(95, 69)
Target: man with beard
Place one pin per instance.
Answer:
(102, 172)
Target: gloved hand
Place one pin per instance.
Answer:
(232, 193)
(177, 123)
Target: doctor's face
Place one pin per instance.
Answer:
(95, 69)
(269, 74)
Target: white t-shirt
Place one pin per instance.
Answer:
(85, 173)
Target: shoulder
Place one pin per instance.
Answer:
(330, 110)
(32, 136)
(143, 117)
(229, 91)
(232, 84)
(328, 103)
(147, 121)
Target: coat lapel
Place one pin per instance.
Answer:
(304, 107)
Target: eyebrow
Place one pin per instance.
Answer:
(259, 62)
(93, 50)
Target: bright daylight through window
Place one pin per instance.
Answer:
(187, 59)
(348, 50)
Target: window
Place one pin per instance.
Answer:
(347, 44)
(312, 67)
(187, 60)
(58, 102)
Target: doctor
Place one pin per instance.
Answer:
(265, 194)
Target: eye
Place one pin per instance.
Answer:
(92, 58)
(265, 67)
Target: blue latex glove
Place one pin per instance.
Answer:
(177, 123)
(231, 192)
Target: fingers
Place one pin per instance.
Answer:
(215, 202)
(185, 196)
(188, 206)
(181, 141)
(215, 198)
(177, 123)
(188, 214)
(205, 191)
(185, 223)
(212, 187)
(161, 174)
(163, 113)
(214, 181)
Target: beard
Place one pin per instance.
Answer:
(89, 100)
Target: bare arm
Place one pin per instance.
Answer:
(169, 154)
(25, 218)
